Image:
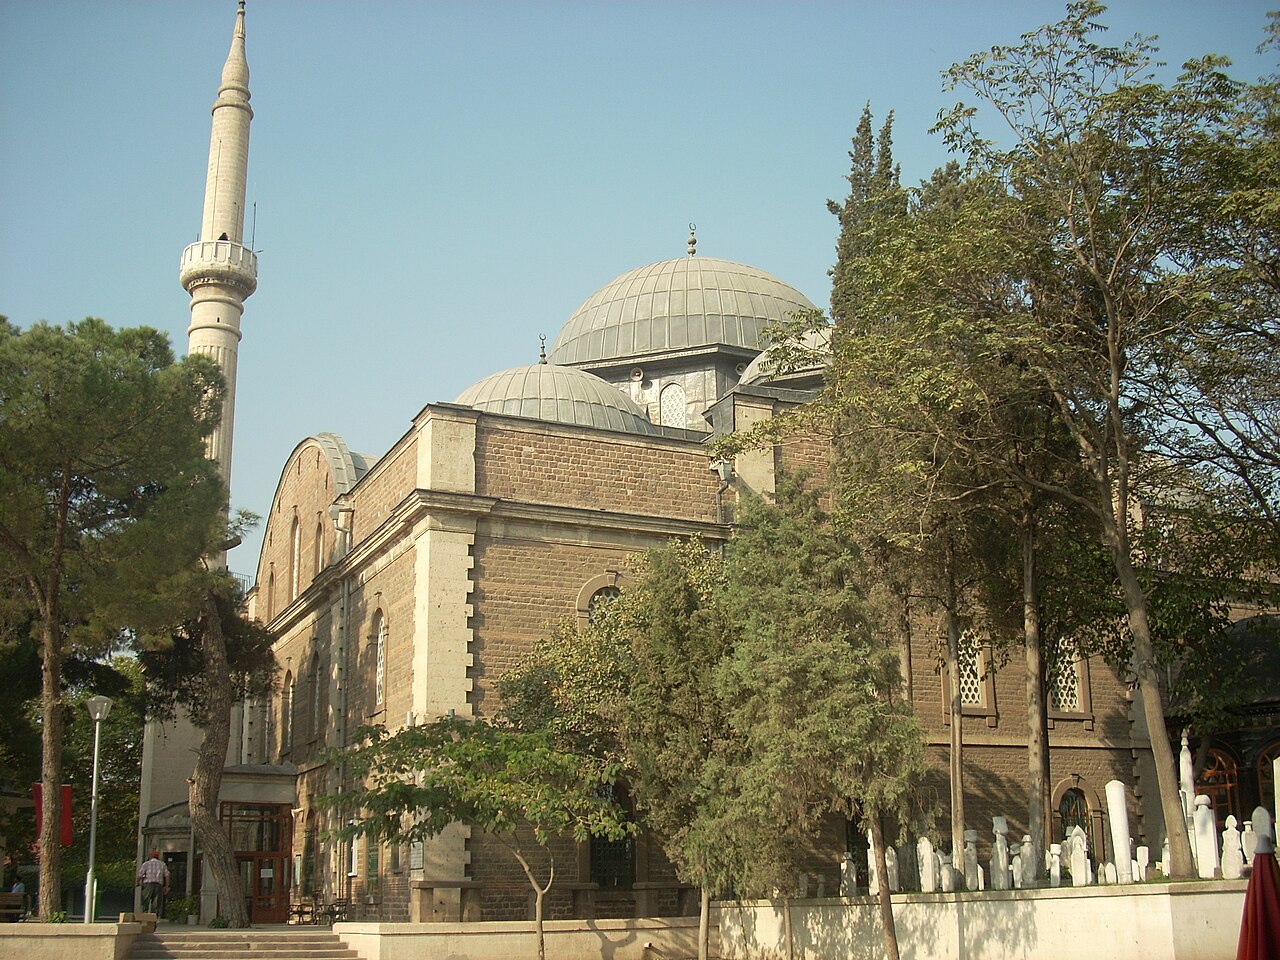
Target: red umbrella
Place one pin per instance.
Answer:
(1260, 925)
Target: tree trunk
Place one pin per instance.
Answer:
(704, 924)
(538, 894)
(1037, 732)
(786, 928)
(957, 717)
(1181, 865)
(211, 757)
(885, 894)
(50, 850)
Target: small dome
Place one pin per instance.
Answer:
(544, 391)
(679, 304)
(764, 368)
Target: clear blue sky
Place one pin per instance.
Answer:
(439, 183)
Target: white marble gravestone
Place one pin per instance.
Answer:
(1118, 816)
(999, 853)
(928, 865)
(1232, 852)
(1206, 839)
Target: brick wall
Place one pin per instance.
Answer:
(304, 493)
(542, 464)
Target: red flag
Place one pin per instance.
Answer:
(64, 832)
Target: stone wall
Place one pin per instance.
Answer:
(1184, 921)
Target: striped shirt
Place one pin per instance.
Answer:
(153, 871)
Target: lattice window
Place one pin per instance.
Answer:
(672, 409)
(1064, 683)
(380, 659)
(600, 601)
(971, 670)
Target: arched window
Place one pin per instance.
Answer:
(1267, 772)
(286, 713)
(671, 406)
(318, 560)
(268, 730)
(271, 593)
(295, 558)
(378, 638)
(1073, 811)
(1218, 781)
(600, 601)
(313, 695)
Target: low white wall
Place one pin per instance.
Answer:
(67, 941)
(1171, 921)
(645, 939)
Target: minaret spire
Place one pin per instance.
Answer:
(218, 270)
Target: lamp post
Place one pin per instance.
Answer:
(99, 707)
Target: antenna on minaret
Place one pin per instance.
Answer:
(253, 230)
(693, 240)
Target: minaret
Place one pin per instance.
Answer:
(218, 270)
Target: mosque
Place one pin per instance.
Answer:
(402, 583)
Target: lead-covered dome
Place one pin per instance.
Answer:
(683, 304)
(544, 391)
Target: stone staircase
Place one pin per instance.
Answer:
(253, 944)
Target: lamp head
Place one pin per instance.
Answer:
(98, 706)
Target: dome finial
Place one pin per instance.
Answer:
(693, 240)
(542, 350)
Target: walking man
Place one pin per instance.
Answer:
(154, 877)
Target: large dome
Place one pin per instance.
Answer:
(679, 304)
(544, 391)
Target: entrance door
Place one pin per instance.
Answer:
(264, 890)
(261, 835)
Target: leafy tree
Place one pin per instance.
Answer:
(202, 664)
(672, 725)
(812, 690)
(104, 493)
(120, 773)
(517, 786)
(873, 189)
(1086, 195)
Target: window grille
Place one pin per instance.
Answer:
(672, 409)
(970, 662)
(380, 660)
(1064, 683)
(600, 601)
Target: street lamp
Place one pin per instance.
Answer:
(99, 707)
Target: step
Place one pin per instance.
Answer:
(240, 945)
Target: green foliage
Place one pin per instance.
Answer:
(106, 498)
(412, 784)
(219, 923)
(171, 658)
(177, 909)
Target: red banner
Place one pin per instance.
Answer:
(64, 834)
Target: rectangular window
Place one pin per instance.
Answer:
(1064, 683)
(972, 669)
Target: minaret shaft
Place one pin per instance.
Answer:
(218, 270)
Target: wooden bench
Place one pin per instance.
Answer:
(13, 907)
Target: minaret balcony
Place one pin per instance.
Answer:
(219, 261)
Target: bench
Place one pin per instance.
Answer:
(13, 907)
